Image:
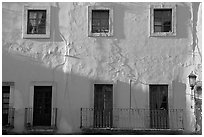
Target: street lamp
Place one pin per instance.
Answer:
(192, 81)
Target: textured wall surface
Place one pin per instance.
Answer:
(76, 61)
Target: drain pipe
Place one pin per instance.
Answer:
(130, 105)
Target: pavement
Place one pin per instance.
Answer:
(111, 132)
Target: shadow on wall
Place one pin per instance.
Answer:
(179, 94)
(183, 16)
(121, 95)
(73, 90)
(118, 18)
(179, 98)
(138, 96)
(55, 33)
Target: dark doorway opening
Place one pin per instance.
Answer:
(42, 106)
(103, 105)
(159, 118)
(5, 104)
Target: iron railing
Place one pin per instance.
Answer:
(125, 118)
(29, 118)
(10, 112)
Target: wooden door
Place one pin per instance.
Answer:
(42, 106)
(159, 106)
(103, 104)
(5, 104)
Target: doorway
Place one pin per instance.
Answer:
(159, 118)
(103, 105)
(42, 108)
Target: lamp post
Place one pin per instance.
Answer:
(192, 81)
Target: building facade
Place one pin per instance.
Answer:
(73, 66)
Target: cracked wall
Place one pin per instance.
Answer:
(71, 58)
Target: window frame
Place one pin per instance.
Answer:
(11, 98)
(173, 20)
(101, 34)
(25, 22)
(54, 93)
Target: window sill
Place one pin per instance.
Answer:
(36, 36)
(163, 34)
(100, 35)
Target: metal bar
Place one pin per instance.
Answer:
(25, 121)
(81, 118)
(55, 117)
(10, 121)
(130, 94)
(195, 110)
(131, 118)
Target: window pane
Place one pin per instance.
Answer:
(162, 20)
(157, 19)
(41, 30)
(5, 100)
(95, 22)
(157, 23)
(95, 14)
(157, 28)
(95, 29)
(36, 22)
(6, 89)
(157, 13)
(105, 14)
(104, 22)
(100, 21)
(5, 95)
(5, 111)
(167, 28)
(5, 105)
(32, 15)
(33, 22)
(104, 29)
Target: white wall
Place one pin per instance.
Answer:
(129, 54)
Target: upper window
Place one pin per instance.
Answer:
(36, 22)
(100, 21)
(163, 20)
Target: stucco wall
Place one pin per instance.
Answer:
(129, 54)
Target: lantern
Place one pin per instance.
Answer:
(192, 80)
